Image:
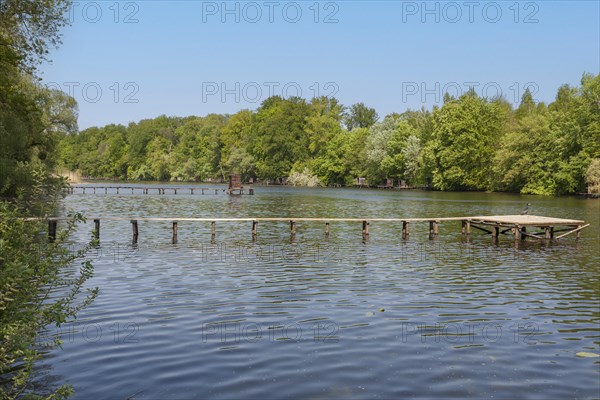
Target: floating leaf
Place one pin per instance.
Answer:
(586, 354)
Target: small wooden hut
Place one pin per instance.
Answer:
(235, 184)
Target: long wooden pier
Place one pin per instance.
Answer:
(540, 228)
(89, 189)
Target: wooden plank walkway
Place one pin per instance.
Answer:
(495, 225)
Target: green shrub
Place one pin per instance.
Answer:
(32, 271)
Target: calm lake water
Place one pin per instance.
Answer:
(338, 318)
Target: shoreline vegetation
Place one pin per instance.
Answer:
(42, 284)
(469, 143)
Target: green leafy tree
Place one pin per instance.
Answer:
(236, 139)
(30, 28)
(465, 136)
(592, 176)
(322, 123)
(280, 139)
(360, 116)
(333, 165)
(386, 146)
(413, 160)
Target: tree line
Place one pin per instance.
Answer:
(468, 143)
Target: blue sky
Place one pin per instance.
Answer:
(129, 60)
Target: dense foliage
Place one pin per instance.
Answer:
(469, 143)
(32, 118)
(40, 287)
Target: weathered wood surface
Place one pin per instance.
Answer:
(524, 220)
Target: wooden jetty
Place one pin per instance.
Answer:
(89, 189)
(540, 228)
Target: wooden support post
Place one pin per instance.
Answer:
(436, 228)
(52, 230)
(83, 190)
(251, 192)
(216, 191)
(254, 229)
(468, 228)
(105, 190)
(97, 229)
(212, 231)
(365, 228)
(495, 231)
(202, 190)
(134, 228)
(549, 232)
(117, 190)
(326, 228)
(94, 190)
(405, 229)
(175, 191)
(174, 232)
(578, 232)
(292, 230)
(517, 232)
(523, 232)
(192, 191)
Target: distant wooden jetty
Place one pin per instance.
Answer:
(89, 189)
(519, 226)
